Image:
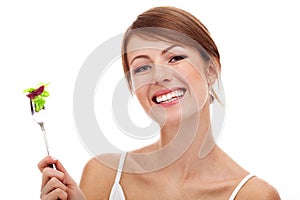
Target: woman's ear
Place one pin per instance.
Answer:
(212, 74)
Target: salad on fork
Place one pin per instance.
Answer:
(37, 97)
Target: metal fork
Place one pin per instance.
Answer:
(38, 118)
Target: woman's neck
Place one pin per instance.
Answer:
(192, 139)
(184, 142)
(192, 130)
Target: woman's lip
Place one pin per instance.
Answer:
(162, 92)
(165, 91)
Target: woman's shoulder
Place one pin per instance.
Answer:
(107, 163)
(259, 189)
(98, 175)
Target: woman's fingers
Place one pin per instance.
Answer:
(55, 194)
(57, 183)
(68, 180)
(46, 162)
(51, 160)
(54, 186)
(49, 173)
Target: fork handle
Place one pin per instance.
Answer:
(53, 166)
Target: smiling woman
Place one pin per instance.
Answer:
(165, 73)
(171, 64)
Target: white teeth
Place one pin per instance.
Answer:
(158, 99)
(169, 96)
(166, 98)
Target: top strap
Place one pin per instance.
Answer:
(120, 167)
(240, 185)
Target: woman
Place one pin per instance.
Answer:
(171, 64)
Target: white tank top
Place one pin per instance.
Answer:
(118, 194)
(117, 191)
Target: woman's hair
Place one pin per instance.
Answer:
(159, 22)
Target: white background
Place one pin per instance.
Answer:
(49, 40)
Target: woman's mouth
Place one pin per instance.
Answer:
(168, 96)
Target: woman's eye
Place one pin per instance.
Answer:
(142, 69)
(177, 58)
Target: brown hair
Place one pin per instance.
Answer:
(172, 19)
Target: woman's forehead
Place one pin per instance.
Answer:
(140, 43)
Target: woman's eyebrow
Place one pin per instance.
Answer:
(169, 48)
(138, 57)
(164, 51)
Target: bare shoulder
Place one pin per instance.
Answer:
(98, 176)
(259, 189)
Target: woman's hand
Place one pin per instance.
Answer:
(57, 183)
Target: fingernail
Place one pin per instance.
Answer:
(53, 158)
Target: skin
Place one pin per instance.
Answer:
(213, 177)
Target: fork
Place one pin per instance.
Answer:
(38, 118)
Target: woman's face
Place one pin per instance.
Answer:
(168, 79)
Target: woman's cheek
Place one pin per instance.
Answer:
(142, 97)
(197, 85)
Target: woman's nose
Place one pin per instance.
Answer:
(164, 80)
(162, 75)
